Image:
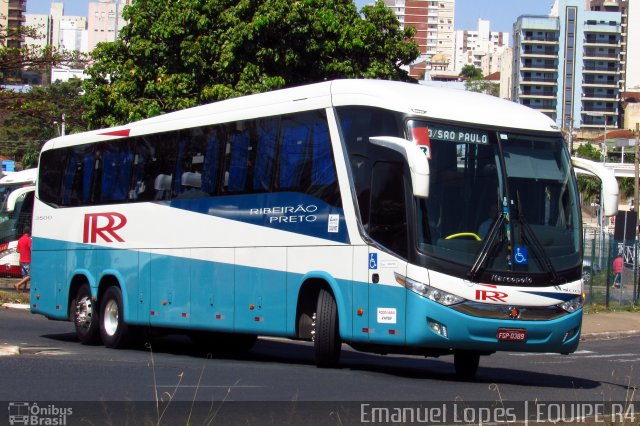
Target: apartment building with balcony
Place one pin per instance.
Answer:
(434, 22)
(12, 17)
(567, 65)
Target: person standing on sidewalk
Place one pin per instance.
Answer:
(24, 248)
(617, 271)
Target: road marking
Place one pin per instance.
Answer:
(209, 386)
(548, 353)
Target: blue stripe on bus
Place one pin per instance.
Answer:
(179, 292)
(286, 211)
(558, 296)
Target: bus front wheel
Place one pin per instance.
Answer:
(466, 364)
(113, 329)
(85, 316)
(326, 338)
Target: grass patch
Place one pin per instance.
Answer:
(597, 307)
(13, 297)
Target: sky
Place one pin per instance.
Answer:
(501, 13)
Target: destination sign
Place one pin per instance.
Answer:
(457, 134)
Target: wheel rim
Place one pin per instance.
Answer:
(84, 312)
(111, 317)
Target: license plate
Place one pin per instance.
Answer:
(512, 334)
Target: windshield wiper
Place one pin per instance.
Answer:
(489, 244)
(537, 246)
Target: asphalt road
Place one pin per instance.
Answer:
(54, 367)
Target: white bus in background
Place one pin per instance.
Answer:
(348, 211)
(16, 210)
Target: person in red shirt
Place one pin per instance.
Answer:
(617, 271)
(24, 248)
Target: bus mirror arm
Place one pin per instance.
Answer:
(610, 189)
(416, 159)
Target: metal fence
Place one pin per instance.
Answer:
(600, 250)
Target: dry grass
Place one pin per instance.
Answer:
(13, 297)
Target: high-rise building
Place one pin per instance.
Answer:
(568, 64)
(434, 22)
(481, 48)
(629, 38)
(58, 30)
(12, 18)
(105, 20)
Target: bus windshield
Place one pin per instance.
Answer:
(499, 202)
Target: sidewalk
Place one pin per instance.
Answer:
(598, 326)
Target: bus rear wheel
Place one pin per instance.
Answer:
(85, 316)
(466, 364)
(326, 339)
(113, 329)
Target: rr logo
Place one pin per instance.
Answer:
(103, 225)
(494, 296)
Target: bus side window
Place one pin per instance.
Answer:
(117, 161)
(266, 151)
(52, 172)
(211, 166)
(239, 161)
(78, 177)
(293, 158)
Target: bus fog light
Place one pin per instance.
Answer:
(569, 334)
(437, 327)
(573, 304)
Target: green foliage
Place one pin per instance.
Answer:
(588, 151)
(589, 187)
(29, 119)
(482, 86)
(174, 55)
(627, 186)
(471, 72)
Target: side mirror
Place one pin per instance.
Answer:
(610, 189)
(416, 159)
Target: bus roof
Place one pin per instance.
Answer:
(414, 99)
(23, 176)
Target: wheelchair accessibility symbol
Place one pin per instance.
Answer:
(373, 260)
(521, 255)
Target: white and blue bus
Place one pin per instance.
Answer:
(392, 217)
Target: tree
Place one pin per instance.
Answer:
(174, 55)
(33, 117)
(15, 59)
(471, 72)
(482, 86)
(588, 151)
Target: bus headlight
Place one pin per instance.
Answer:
(429, 292)
(573, 304)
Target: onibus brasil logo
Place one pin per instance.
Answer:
(27, 413)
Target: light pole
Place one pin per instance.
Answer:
(601, 218)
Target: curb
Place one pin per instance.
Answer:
(9, 350)
(20, 306)
(609, 335)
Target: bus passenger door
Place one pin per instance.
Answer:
(387, 227)
(387, 299)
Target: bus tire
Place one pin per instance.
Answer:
(113, 330)
(326, 339)
(85, 316)
(466, 364)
